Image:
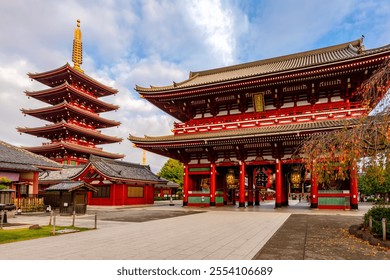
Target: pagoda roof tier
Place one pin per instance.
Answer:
(268, 70)
(68, 92)
(67, 73)
(66, 148)
(66, 111)
(62, 130)
(163, 145)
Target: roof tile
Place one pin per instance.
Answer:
(20, 159)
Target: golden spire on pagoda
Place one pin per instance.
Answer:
(77, 53)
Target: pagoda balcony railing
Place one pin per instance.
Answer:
(83, 107)
(271, 117)
(83, 125)
(80, 88)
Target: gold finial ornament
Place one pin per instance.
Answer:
(143, 157)
(77, 53)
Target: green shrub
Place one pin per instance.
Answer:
(4, 183)
(378, 212)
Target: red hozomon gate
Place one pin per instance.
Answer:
(240, 125)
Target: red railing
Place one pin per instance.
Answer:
(272, 117)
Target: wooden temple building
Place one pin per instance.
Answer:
(73, 112)
(239, 126)
(21, 169)
(116, 182)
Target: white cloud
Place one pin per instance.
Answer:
(216, 26)
(11, 77)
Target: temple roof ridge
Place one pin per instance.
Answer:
(348, 45)
(121, 170)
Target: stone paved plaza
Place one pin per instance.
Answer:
(168, 232)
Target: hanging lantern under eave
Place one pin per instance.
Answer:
(295, 178)
(231, 180)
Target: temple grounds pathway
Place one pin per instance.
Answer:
(161, 232)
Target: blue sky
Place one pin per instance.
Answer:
(128, 43)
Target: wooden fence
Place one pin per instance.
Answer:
(29, 204)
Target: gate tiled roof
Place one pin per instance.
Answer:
(247, 132)
(303, 60)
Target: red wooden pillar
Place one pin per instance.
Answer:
(35, 183)
(89, 196)
(278, 184)
(250, 188)
(354, 188)
(314, 191)
(213, 182)
(241, 202)
(185, 185)
(113, 194)
(124, 193)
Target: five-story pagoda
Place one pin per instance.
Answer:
(73, 114)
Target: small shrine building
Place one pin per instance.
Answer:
(116, 182)
(239, 126)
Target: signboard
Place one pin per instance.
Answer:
(258, 102)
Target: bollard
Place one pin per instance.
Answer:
(54, 225)
(1, 219)
(171, 202)
(370, 223)
(74, 217)
(384, 228)
(95, 220)
(51, 217)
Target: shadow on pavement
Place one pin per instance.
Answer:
(319, 237)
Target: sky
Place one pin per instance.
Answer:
(128, 43)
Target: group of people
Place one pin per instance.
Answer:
(300, 197)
